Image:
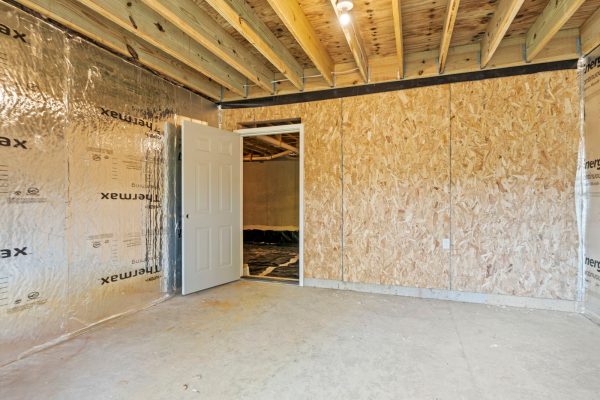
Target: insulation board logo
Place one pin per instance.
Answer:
(13, 33)
(151, 270)
(128, 119)
(13, 252)
(14, 143)
(128, 196)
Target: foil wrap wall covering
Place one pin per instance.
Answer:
(590, 70)
(87, 194)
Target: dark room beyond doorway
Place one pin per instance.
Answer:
(271, 207)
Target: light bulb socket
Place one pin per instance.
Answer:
(344, 5)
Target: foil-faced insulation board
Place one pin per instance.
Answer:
(590, 70)
(87, 200)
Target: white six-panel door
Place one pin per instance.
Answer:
(211, 166)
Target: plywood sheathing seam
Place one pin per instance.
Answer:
(514, 159)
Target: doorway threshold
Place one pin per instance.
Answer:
(287, 281)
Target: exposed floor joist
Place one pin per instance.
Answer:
(196, 23)
(461, 59)
(397, 15)
(451, 13)
(277, 143)
(292, 16)
(90, 24)
(590, 33)
(212, 39)
(356, 44)
(505, 13)
(147, 24)
(251, 157)
(239, 15)
(552, 19)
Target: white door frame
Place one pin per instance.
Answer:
(276, 130)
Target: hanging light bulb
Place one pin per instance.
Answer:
(344, 5)
(344, 18)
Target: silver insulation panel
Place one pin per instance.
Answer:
(590, 70)
(88, 162)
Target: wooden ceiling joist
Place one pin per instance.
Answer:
(142, 21)
(451, 13)
(590, 33)
(505, 13)
(204, 44)
(552, 19)
(251, 157)
(397, 15)
(461, 59)
(356, 44)
(251, 147)
(277, 143)
(106, 33)
(239, 15)
(292, 16)
(200, 26)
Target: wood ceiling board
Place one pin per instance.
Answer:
(253, 27)
(270, 18)
(582, 14)
(325, 22)
(532, 9)
(142, 21)
(355, 43)
(375, 21)
(553, 18)
(422, 23)
(529, 12)
(90, 24)
(187, 16)
(461, 59)
(293, 17)
(590, 33)
(472, 21)
(232, 31)
(505, 12)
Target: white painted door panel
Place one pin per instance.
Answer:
(211, 160)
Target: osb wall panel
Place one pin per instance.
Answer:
(231, 118)
(322, 179)
(397, 187)
(514, 156)
(513, 147)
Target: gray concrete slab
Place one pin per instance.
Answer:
(255, 340)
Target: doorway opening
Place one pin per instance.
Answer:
(272, 201)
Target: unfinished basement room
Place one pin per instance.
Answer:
(300, 199)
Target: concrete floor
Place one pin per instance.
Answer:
(255, 340)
